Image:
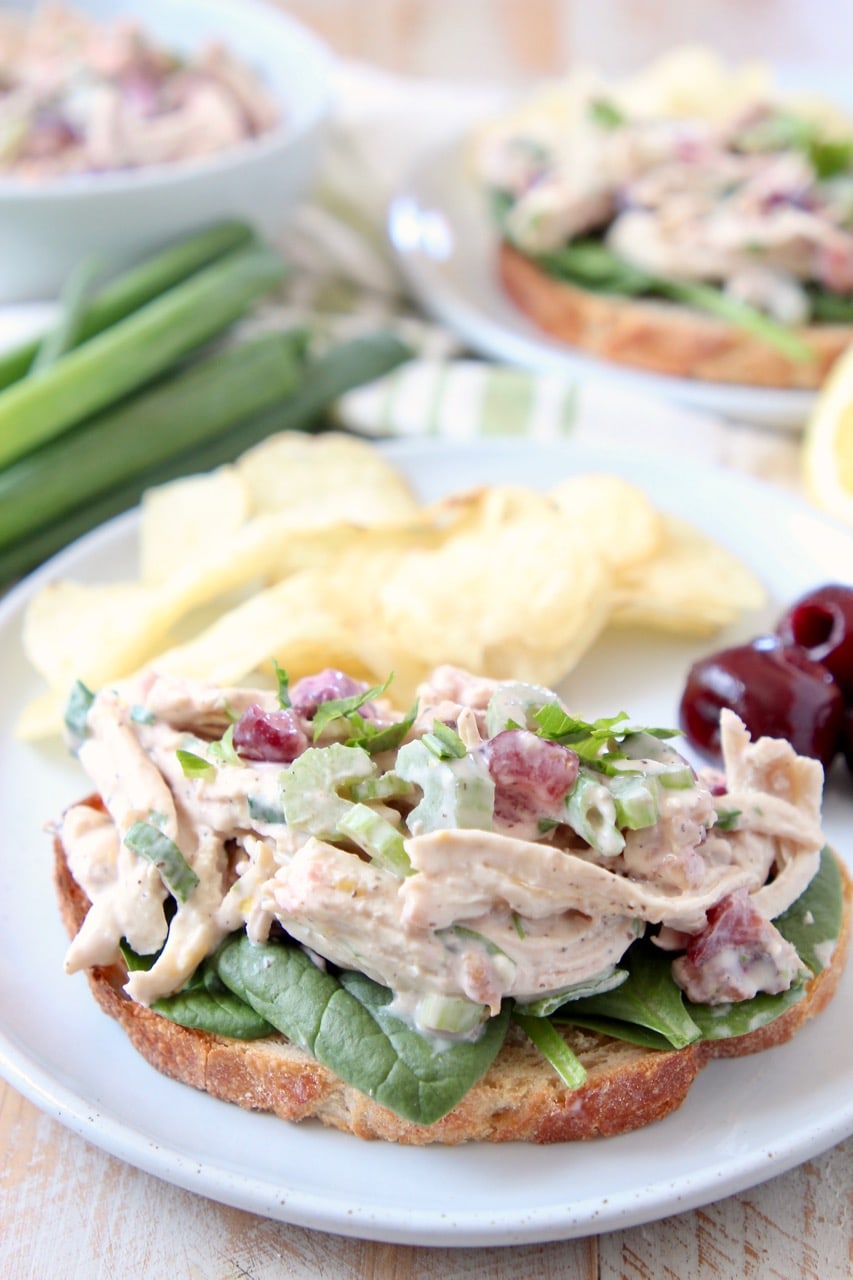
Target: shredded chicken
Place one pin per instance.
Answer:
(78, 96)
(517, 903)
(686, 199)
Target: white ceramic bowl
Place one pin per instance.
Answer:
(46, 228)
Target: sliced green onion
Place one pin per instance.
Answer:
(66, 332)
(340, 708)
(133, 289)
(605, 113)
(282, 685)
(714, 301)
(194, 766)
(261, 810)
(149, 842)
(181, 412)
(224, 750)
(141, 715)
(444, 743)
(77, 709)
(321, 383)
(135, 350)
(553, 1047)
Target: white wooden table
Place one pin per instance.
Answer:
(70, 1212)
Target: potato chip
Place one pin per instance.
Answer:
(527, 586)
(693, 586)
(190, 519)
(90, 632)
(327, 479)
(619, 520)
(313, 551)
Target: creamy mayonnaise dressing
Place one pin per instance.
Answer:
(737, 201)
(525, 908)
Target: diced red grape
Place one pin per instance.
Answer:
(310, 692)
(532, 776)
(269, 735)
(778, 692)
(736, 955)
(821, 624)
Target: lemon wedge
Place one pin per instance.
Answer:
(828, 443)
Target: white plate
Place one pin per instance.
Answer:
(445, 244)
(743, 1121)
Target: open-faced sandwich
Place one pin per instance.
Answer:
(481, 918)
(692, 220)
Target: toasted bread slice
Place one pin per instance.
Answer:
(519, 1099)
(663, 337)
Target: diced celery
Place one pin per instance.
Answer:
(676, 777)
(591, 812)
(635, 798)
(376, 836)
(310, 787)
(449, 1015)
(387, 787)
(456, 793)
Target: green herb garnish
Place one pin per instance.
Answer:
(149, 842)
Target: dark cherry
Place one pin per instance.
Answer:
(778, 692)
(821, 624)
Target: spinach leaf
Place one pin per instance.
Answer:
(589, 263)
(218, 1011)
(628, 1031)
(812, 923)
(722, 1021)
(204, 1003)
(649, 1001)
(649, 998)
(831, 307)
(592, 265)
(346, 1024)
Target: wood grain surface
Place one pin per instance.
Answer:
(68, 1211)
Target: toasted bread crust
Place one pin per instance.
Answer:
(663, 337)
(519, 1099)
